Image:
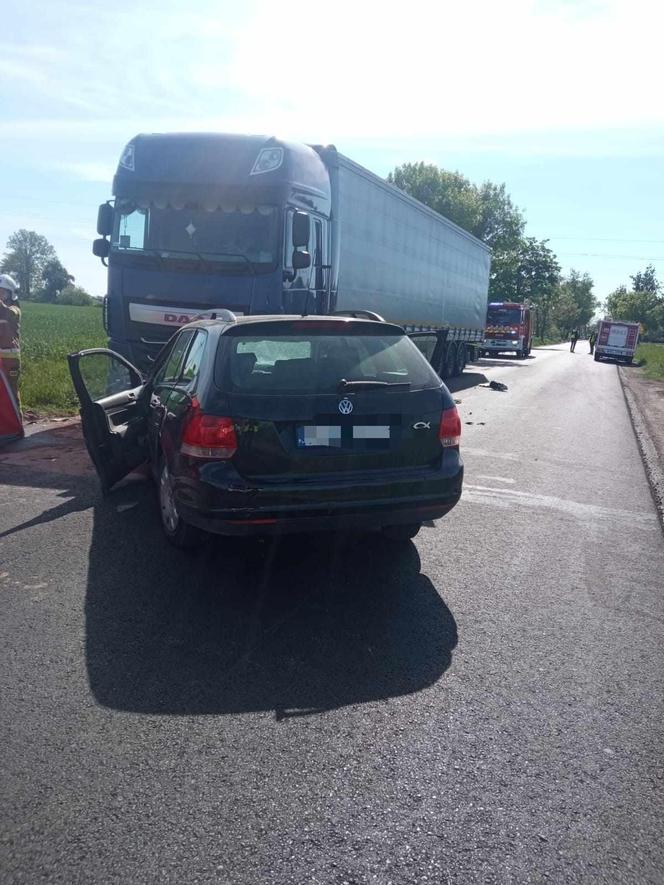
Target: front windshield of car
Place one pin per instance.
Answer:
(504, 316)
(317, 363)
(230, 233)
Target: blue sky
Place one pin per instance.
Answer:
(560, 100)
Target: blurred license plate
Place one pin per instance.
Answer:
(318, 435)
(371, 431)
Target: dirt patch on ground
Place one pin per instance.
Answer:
(649, 395)
(645, 399)
(50, 446)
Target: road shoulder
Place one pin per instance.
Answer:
(645, 402)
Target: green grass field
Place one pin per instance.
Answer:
(651, 357)
(48, 333)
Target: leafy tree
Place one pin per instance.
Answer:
(27, 255)
(638, 307)
(576, 303)
(55, 278)
(529, 273)
(449, 193)
(75, 295)
(500, 224)
(646, 281)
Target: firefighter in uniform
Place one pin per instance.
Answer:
(10, 321)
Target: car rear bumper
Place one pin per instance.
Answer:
(425, 495)
(369, 518)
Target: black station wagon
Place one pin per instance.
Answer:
(257, 425)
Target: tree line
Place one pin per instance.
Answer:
(33, 262)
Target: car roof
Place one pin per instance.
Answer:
(225, 323)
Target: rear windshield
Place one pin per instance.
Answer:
(315, 363)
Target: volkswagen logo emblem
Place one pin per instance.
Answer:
(345, 407)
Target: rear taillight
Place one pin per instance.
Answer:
(450, 429)
(208, 436)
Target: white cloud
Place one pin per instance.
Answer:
(440, 69)
(426, 70)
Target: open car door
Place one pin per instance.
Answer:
(113, 413)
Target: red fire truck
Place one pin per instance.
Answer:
(509, 327)
(617, 340)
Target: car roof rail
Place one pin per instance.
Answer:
(359, 315)
(227, 316)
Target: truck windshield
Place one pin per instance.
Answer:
(504, 316)
(231, 234)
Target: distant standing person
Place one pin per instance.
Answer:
(10, 322)
(575, 338)
(592, 340)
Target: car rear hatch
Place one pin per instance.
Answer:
(316, 400)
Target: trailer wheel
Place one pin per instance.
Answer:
(460, 363)
(449, 361)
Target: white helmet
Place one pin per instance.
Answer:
(9, 283)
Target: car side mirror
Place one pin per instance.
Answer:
(105, 217)
(301, 260)
(301, 229)
(101, 248)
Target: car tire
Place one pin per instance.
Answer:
(596, 357)
(178, 532)
(401, 532)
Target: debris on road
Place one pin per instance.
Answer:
(495, 385)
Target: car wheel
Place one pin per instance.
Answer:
(596, 357)
(402, 532)
(178, 532)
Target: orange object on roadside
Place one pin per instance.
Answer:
(11, 425)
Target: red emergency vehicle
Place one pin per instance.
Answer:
(617, 340)
(509, 327)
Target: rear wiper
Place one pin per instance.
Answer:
(345, 385)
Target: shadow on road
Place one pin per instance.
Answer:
(297, 626)
(463, 382)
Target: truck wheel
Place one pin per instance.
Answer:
(449, 363)
(460, 364)
(178, 532)
(402, 532)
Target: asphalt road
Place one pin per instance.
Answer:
(483, 705)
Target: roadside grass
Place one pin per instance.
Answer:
(651, 357)
(48, 333)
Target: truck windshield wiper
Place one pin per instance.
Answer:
(373, 385)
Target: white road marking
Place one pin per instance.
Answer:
(496, 478)
(505, 456)
(587, 512)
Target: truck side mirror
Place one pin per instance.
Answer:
(105, 216)
(301, 260)
(101, 248)
(301, 229)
